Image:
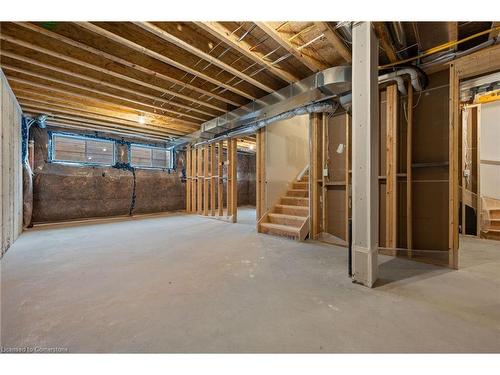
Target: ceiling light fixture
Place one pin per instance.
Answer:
(142, 119)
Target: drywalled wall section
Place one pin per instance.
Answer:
(287, 153)
(11, 193)
(490, 150)
(67, 192)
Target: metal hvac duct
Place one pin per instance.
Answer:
(319, 87)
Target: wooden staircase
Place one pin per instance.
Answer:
(290, 217)
(490, 227)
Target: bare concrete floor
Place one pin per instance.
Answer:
(153, 284)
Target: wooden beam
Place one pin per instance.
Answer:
(391, 168)
(100, 128)
(206, 179)
(323, 165)
(102, 93)
(229, 191)
(478, 63)
(148, 26)
(478, 172)
(234, 180)
(220, 180)
(385, 41)
(56, 110)
(310, 63)
(92, 109)
(134, 66)
(494, 33)
(453, 34)
(453, 168)
(260, 174)
(194, 179)
(243, 47)
(315, 121)
(85, 123)
(158, 56)
(409, 171)
(212, 178)
(42, 92)
(199, 198)
(335, 40)
(99, 69)
(104, 83)
(58, 102)
(188, 178)
(347, 174)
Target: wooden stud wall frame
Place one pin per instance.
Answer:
(331, 209)
(469, 139)
(404, 169)
(206, 180)
(260, 172)
(479, 63)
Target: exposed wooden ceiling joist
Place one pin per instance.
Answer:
(243, 47)
(310, 63)
(385, 41)
(334, 39)
(79, 113)
(494, 33)
(148, 26)
(102, 83)
(83, 64)
(187, 118)
(453, 33)
(68, 124)
(26, 88)
(137, 67)
(88, 104)
(97, 125)
(137, 47)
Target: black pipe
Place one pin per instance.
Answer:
(349, 254)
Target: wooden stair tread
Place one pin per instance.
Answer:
(490, 230)
(305, 208)
(286, 215)
(284, 228)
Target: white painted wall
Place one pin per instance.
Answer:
(490, 150)
(287, 153)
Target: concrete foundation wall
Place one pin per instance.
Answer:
(67, 192)
(246, 179)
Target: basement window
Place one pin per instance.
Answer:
(142, 156)
(74, 149)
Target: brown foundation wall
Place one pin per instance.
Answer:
(66, 192)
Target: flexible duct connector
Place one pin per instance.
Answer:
(329, 107)
(397, 76)
(393, 77)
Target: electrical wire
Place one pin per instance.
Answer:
(440, 48)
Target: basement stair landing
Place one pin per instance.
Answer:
(290, 217)
(490, 228)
